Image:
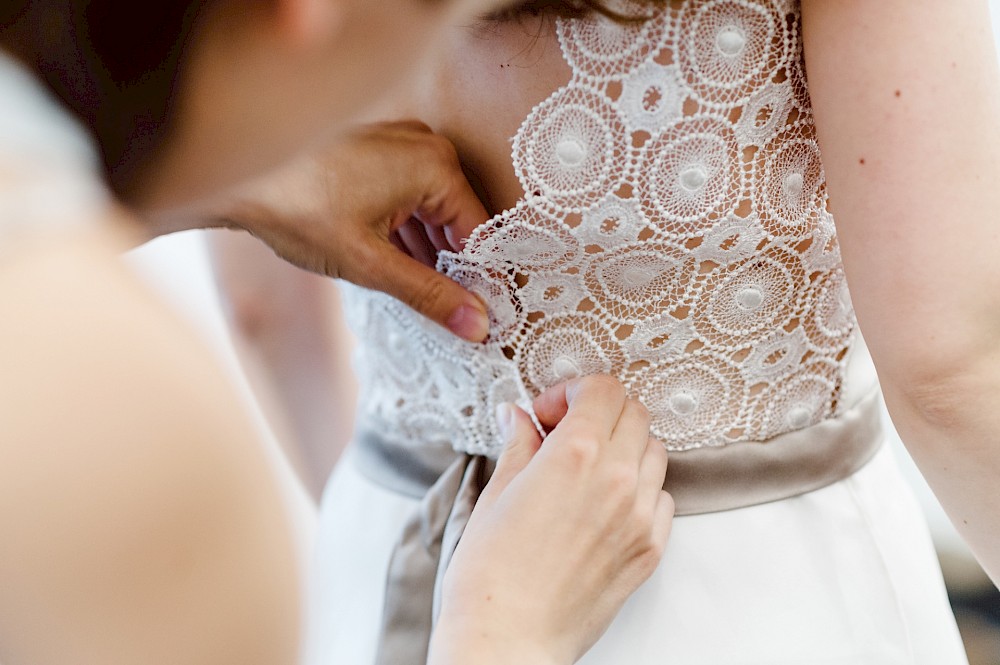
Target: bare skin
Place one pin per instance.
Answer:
(132, 506)
(902, 164)
(911, 176)
(482, 82)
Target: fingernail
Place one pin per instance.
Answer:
(505, 420)
(469, 323)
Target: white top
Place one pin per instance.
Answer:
(48, 164)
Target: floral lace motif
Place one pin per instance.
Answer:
(674, 233)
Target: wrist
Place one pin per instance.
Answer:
(471, 642)
(211, 214)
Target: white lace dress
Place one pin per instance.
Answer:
(675, 233)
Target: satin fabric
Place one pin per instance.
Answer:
(843, 575)
(701, 481)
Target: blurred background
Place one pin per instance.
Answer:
(194, 291)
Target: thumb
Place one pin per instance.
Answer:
(521, 442)
(424, 290)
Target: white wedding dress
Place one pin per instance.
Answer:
(675, 233)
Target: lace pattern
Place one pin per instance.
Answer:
(674, 232)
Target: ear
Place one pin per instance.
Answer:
(307, 22)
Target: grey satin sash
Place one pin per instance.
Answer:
(700, 481)
(420, 559)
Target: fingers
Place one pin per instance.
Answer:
(449, 201)
(630, 440)
(422, 203)
(590, 405)
(652, 471)
(438, 239)
(663, 520)
(412, 236)
(521, 440)
(423, 289)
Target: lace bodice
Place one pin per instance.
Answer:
(674, 232)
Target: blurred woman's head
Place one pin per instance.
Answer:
(186, 97)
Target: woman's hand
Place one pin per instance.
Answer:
(374, 209)
(563, 534)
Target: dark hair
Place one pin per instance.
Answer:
(571, 9)
(114, 63)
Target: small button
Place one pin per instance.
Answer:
(693, 178)
(799, 416)
(683, 403)
(730, 41)
(571, 152)
(749, 298)
(566, 368)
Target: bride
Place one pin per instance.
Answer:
(666, 218)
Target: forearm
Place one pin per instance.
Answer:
(245, 207)
(140, 523)
(478, 645)
(906, 95)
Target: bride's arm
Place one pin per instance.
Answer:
(906, 96)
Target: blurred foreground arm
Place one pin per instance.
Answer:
(289, 331)
(906, 95)
(139, 522)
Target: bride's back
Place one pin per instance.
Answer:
(664, 220)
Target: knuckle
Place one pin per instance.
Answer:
(427, 297)
(621, 482)
(442, 152)
(581, 450)
(413, 125)
(651, 558)
(608, 385)
(639, 410)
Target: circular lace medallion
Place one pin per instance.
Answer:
(687, 176)
(572, 148)
(729, 49)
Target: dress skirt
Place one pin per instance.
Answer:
(843, 575)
